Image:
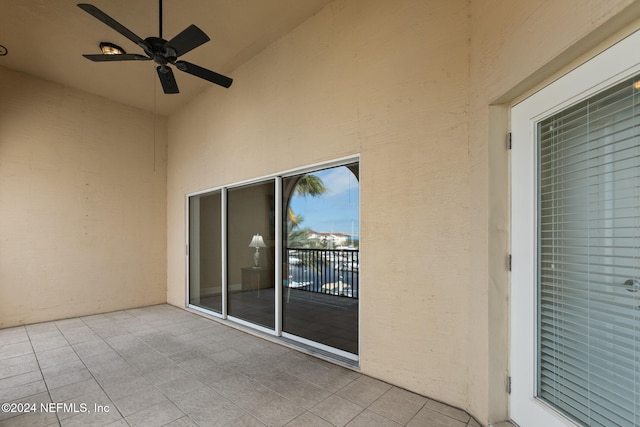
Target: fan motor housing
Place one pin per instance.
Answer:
(160, 54)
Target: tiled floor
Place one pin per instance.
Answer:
(163, 366)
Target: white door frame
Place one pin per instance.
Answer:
(620, 61)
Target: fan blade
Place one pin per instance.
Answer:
(203, 73)
(189, 39)
(120, 57)
(97, 13)
(169, 84)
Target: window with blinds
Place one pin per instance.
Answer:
(589, 258)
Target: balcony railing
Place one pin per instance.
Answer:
(327, 271)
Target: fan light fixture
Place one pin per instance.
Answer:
(111, 49)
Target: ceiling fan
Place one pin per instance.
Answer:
(161, 51)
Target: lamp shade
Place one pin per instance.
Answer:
(257, 242)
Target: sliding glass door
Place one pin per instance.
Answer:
(205, 251)
(281, 255)
(250, 253)
(321, 257)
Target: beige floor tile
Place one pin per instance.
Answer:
(57, 356)
(309, 419)
(371, 419)
(181, 385)
(64, 368)
(15, 393)
(407, 395)
(91, 348)
(364, 390)
(11, 350)
(13, 336)
(395, 406)
(455, 413)
(247, 420)
(429, 418)
(90, 419)
(96, 402)
(337, 410)
(161, 365)
(162, 375)
(182, 422)
(66, 378)
(20, 379)
(31, 420)
(237, 387)
(156, 415)
(270, 408)
(49, 342)
(71, 391)
(140, 401)
(298, 391)
(474, 423)
(127, 386)
(209, 408)
(33, 403)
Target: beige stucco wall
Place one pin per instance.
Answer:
(82, 203)
(389, 81)
(515, 47)
(420, 89)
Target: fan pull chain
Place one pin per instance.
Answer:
(155, 115)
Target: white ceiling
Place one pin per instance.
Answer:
(46, 38)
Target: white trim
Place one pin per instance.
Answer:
(325, 348)
(209, 190)
(187, 250)
(611, 66)
(278, 257)
(322, 165)
(203, 310)
(360, 258)
(342, 161)
(252, 325)
(223, 251)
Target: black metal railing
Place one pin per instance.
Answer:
(327, 271)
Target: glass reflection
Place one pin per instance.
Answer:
(205, 253)
(321, 257)
(250, 253)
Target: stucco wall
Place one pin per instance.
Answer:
(388, 80)
(515, 47)
(82, 203)
(421, 90)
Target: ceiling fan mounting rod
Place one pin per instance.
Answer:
(160, 20)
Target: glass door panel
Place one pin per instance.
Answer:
(205, 251)
(589, 248)
(321, 257)
(250, 253)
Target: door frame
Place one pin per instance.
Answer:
(616, 63)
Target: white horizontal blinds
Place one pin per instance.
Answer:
(589, 257)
